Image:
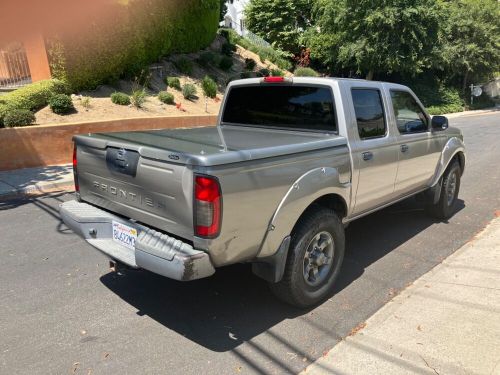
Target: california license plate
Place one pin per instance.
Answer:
(124, 235)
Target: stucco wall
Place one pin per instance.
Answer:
(44, 145)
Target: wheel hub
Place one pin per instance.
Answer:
(318, 258)
(451, 188)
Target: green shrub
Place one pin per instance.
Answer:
(61, 104)
(120, 98)
(139, 35)
(173, 82)
(166, 97)
(277, 73)
(483, 101)
(444, 109)
(3, 112)
(32, 97)
(305, 72)
(436, 96)
(184, 65)
(226, 63)
(18, 117)
(189, 91)
(244, 75)
(138, 97)
(250, 64)
(264, 72)
(228, 49)
(209, 87)
(207, 59)
(280, 58)
(224, 33)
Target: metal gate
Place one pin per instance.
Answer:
(14, 69)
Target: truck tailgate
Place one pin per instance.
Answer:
(155, 192)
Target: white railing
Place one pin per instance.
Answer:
(14, 69)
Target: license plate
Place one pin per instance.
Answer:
(124, 235)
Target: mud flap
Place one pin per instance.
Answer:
(272, 268)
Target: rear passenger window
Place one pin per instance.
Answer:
(369, 113)
(410, 118)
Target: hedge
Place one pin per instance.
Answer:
(142, 32)
(31, 97)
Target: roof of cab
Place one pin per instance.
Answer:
(258, 80)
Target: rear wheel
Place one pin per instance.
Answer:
(445, 206)
(314, 259)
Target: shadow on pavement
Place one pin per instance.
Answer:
(233, 306)
(47, 202)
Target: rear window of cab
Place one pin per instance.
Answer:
(300, 107)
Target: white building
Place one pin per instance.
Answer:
(235, 16)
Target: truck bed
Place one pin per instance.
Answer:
(204, 146)
(148, 175)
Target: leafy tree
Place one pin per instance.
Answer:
(375, 36)
(280, 22)
(471, 39)
(223, 9)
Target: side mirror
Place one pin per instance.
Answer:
(439, 123)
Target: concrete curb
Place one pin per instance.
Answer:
(473, 113)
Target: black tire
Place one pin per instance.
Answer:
(446, 205)
(293, 288)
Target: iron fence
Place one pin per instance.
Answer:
(14, 69)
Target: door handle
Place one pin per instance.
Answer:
(367, 155)
(404, 148)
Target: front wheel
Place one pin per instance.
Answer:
(314, 259)
(445, 206)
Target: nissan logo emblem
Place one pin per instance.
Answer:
(122, 152)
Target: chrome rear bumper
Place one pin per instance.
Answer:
(154, 251)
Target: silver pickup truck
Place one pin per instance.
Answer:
(289, 165)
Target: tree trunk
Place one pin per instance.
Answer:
(369, 76)
(464, 86)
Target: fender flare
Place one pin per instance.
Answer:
(453, 147)
(301, 194)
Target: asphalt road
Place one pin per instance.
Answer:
(63, 312)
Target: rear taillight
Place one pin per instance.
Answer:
(75, 164)
(207, 206)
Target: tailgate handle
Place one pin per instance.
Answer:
(122, 161)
